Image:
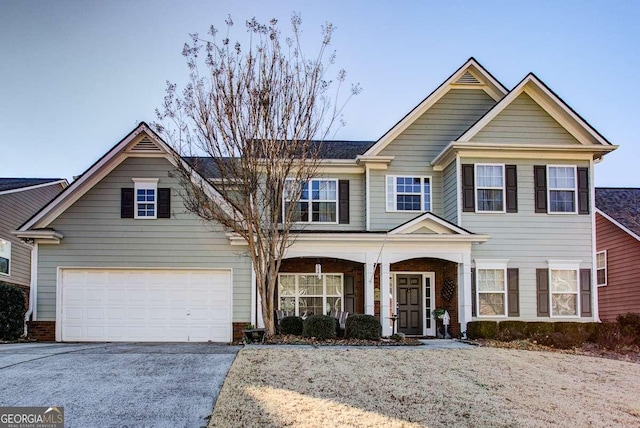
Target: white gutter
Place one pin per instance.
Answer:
(32, 287)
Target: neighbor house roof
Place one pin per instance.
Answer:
(19, 183)
(621, 205)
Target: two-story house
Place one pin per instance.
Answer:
(479, 201)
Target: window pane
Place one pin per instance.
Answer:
(426, 193)
(602, 278)
(408, 202)
(490, 200)
(4, 265)
(334, 285)
(301, 212)
(490, 279)
(489, 176)
(324, 190)
(310, 306)
(561, 201)
(288, 304)
(564, 304)
(408, 185)
(564, 281)
(287, 285)
(600, 260)
(310, 285)
(334, 304)
(491, 303)
(561, 177)
(324, 212)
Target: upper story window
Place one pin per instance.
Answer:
(317, 202)
(5, 257)
(489, 188)
(601, 268)
(408, 193)
(562, 189)
(145, 197)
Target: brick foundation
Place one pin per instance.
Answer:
(42, 331)
(238, 330)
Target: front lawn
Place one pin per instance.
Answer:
(329, 387)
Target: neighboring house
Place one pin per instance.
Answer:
(480, 201)
(617, 251)
(20, 198)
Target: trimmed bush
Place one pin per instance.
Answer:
(537, 328)
(576, 332)
(558, 340)
(291, 325)
(321, 327)
(363, 327)
(629, 324)
(482, 329)
(12, 312)
(511, 330)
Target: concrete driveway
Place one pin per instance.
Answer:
(117, 384)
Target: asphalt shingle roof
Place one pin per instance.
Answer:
(18, 183)
(621, 204)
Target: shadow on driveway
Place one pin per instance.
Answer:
(117, 384)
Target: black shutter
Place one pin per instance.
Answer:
(585, 293)
(583, 190)
(349, 294)
(513, 292)
(542, 285)
(126, 202)
(473, 292)
(468, 193)
(540, 183)
(343, 201)
(511, 181)
(164, 202)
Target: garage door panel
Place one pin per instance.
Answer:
(145, 305)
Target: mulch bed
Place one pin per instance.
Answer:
(340, 341)
(629, 354)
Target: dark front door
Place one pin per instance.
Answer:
(409, 307)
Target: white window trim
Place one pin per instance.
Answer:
(395, 193)
(503, 188)
(604, 252)
(310, 201)
(324, 296)
(565, 265)
(145, 183)
(497, 264)
(574, 190)
(5, 242)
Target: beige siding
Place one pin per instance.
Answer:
(419, 144)
(96, 236)
(450, 193)
(15, 209)
(356, 205)
(524, 121)
(529, 240)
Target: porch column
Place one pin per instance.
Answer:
(385, 297)
(464, 292)
(369, 273)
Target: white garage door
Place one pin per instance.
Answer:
(145, 305)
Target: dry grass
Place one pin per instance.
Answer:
(330, 387)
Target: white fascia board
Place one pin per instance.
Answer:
(429, 216)
(373, 237)
(42, 236)
(617, 223)
(62, 182)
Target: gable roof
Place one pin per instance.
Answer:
(15, 184)
(621, 206)
(150, 144)
(430, 221)
(470, 75)
(551, 103)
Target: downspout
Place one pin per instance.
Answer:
(594, 273)
(32, 287)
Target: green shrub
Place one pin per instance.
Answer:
(537, 328)
(291, 325)
(363, 327)
(321, 327)
(576, 332)
(12, 312)
(482, 329)
(629, 324)
(558, 340)
(511, 330)
(608, 335)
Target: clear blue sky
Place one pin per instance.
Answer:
(77, 76)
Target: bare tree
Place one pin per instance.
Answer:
(258, 115)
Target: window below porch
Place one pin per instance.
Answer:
(306, 294)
